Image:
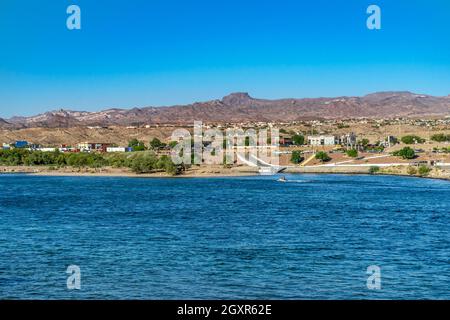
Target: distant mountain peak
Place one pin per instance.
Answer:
(237, 98)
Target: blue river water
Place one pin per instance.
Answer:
(224, 238)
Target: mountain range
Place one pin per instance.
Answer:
(241, 107)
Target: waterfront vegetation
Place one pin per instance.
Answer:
(424, 171)
(412, 171)
(138, 162)
(374, 169)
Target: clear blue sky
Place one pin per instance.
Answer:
(162, 52)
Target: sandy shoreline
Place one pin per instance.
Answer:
(206, 172)
(212, 171)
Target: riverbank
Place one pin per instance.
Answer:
(204, 171)
(220, 171)
(435, 172)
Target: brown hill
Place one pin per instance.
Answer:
(240, 107)
(5, 125)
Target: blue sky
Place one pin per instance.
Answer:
(163, 52)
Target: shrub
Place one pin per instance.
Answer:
(424, 170)
(440, 137)
(364, 142)
(352, 153)
(156, 144)
(405, 153)
(411, 171)
(342, 126)
(411, 139)
(144, 163)
(296, 157)
(298, 139)
(374, 169)
(322, 156)
(136, 145)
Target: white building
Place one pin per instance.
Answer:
(323, 140)
(116, 149)
(47, 149)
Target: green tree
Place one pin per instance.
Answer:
(156, 144)
(296, 157)
(364, 142)
(168, 166)
(352, 153)
(411, 139)
(405, 153)
(298, 139)
(440, 137)
(136, 145)
(322, 156)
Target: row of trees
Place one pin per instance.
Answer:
(154, 144)
(297, 156)
(412, 139)
(139, 162)
(405, 153)
(440, 137)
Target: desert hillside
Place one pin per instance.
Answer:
(241, 107)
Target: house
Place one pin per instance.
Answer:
(46, 149)
(285, 141)
(21, 144)
(323, 140)
(6, 146)
(119, 149)
(93, 146)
